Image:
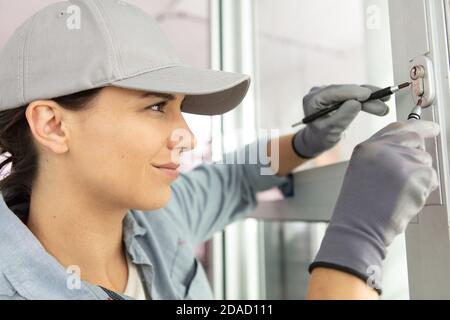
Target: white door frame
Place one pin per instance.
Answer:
(418, 27)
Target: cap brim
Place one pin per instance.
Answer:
(208, 92)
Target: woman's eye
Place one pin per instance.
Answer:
(159, 107)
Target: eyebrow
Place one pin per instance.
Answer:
(167, 96)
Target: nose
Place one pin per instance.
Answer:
(182, 137)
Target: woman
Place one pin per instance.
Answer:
(91, 96)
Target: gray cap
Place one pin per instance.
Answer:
(78, 45)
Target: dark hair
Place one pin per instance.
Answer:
(17, 145)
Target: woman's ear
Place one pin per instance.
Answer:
(45, 120)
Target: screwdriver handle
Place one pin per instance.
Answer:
(380, 94)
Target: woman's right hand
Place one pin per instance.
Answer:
(387, 183)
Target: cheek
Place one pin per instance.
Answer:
(139, 185)
(115, 162)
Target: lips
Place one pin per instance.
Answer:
(170, 165)
(169, 169)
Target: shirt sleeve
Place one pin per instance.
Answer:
(211, 196)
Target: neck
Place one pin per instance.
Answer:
(79, 230)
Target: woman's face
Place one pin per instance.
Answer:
(114, 146)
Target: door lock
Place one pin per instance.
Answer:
(422, 77)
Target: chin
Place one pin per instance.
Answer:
(158, 200)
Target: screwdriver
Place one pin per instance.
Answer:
(380, 94)
(416, 112)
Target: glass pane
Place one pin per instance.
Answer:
(304, 44)
(291, 247)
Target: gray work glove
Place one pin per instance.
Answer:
(325, 132)
(387, 182)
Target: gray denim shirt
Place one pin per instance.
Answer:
(160, 242)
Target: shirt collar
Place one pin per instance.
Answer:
(132, 230)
